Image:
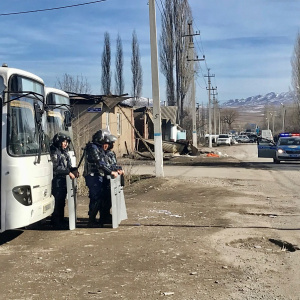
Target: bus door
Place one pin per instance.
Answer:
(266, 148)
(2, 88)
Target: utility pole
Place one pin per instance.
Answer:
(155, 93)
(192, 58)
(199, 120)
(219, 120)
(209, 108)
(215, 108)
(272, 116)
(283, 116)
(203, 118)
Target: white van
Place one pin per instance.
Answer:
(267, 134)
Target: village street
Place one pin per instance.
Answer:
(213, 228)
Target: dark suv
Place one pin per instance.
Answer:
(252, 138)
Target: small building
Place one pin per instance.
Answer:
(92, 113)
(171, 132)
(143, 117)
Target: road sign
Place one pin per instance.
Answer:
(94, 109)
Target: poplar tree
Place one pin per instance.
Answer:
(119, 79)
(136, 69)
(106, 61)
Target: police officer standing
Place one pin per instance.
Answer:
(61, 168)
(96, 170)
(112, 158)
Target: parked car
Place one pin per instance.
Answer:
(243, 139)
(224, 139)
(252, 138)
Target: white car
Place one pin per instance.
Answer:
(224, 139)
(243, 139)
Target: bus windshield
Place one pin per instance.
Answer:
(56, 116)
(23, 132)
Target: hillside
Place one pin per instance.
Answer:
(252, 109)
(259, 101)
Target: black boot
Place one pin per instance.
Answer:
(105, 219)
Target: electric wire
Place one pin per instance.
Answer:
(201, 49)
(53, 8)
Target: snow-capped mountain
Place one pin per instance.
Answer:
(258, 102)
(272, 99)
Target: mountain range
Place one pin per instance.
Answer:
(259, 101)
(254, 102)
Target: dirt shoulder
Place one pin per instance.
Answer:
(185, 238)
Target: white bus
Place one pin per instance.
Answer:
(26, 167)
(59, 117)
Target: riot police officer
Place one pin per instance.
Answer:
(96, 170)
(61, 168)
(112, 158)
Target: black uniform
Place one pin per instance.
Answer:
(61, 168)
(96, 172)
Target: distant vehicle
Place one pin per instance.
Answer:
(213, 137)
(267, 134)
(286, 149)
(242, 139)
(252, 138)
(224, 139)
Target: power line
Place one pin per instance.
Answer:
(47, 9)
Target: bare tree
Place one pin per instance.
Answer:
(119, 80)
(228, 116)
(106, 60)
(175, 18)
(136, 69)
(69, 83)
(167, 51)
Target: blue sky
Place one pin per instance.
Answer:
(248, 45)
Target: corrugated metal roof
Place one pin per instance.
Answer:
(168, 113)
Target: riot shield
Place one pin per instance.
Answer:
(118, 205)
(71, 190)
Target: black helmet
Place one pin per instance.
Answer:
(105, 131)
(106, 140)
(97, 137)
(112, 138)
(59, 138)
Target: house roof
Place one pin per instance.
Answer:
(168, 113)
(109, 100)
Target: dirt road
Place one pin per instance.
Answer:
(220, 228)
